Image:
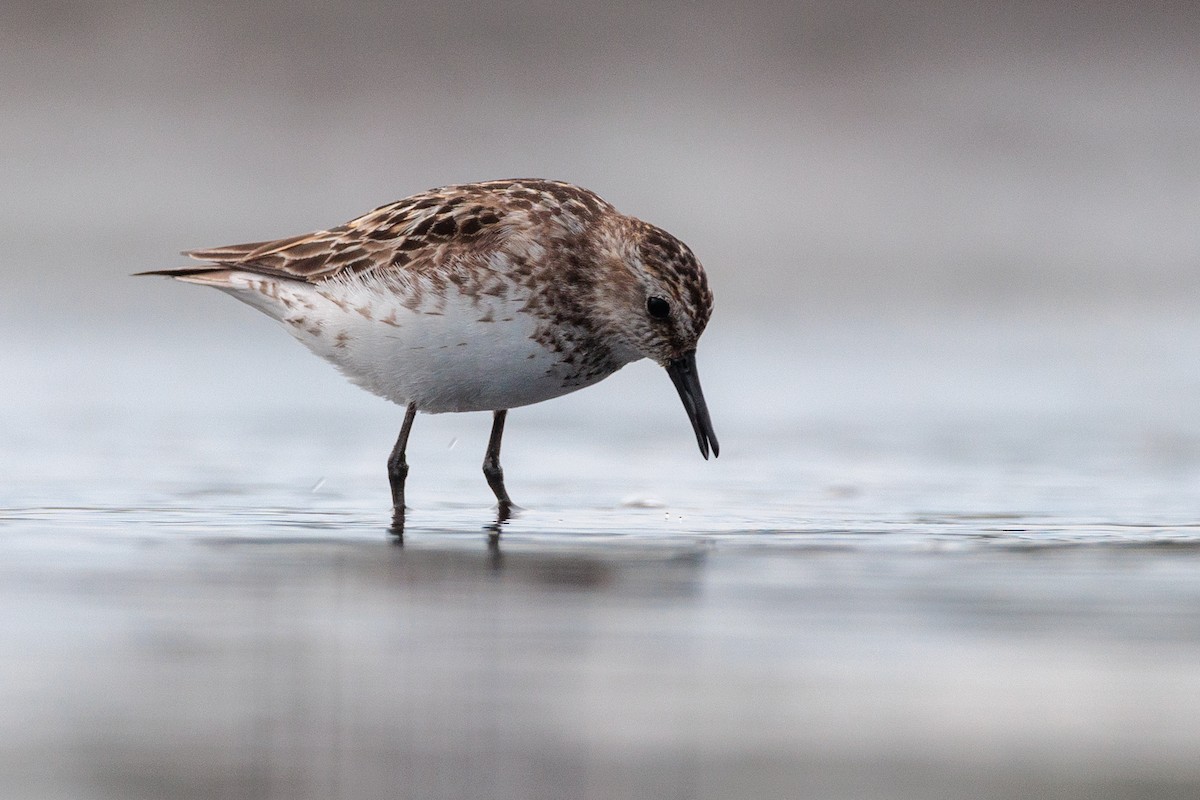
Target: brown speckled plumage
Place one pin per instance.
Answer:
(549, 239)
(424, 233)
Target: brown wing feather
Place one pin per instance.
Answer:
(242, 252)
(302, 257)
(423, 228)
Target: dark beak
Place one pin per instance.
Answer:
(683, 373)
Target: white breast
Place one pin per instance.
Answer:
(444, 352)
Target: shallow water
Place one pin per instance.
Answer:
(953, 559)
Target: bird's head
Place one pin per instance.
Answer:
(660, 309)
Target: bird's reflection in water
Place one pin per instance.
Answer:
(396, 529)
(504, 512)
(440, 556)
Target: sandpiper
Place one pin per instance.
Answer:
(480, 297)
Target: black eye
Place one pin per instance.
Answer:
(658, 308)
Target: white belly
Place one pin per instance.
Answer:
(444, 353)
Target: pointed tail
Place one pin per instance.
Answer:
(207, 276)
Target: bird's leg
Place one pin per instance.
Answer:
(491, 464)
(397, 466)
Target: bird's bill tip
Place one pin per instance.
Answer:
(687, 382)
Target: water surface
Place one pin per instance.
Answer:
(930, 562)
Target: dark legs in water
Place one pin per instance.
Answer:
(398, 470)
(398, 467)
(491, 465)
